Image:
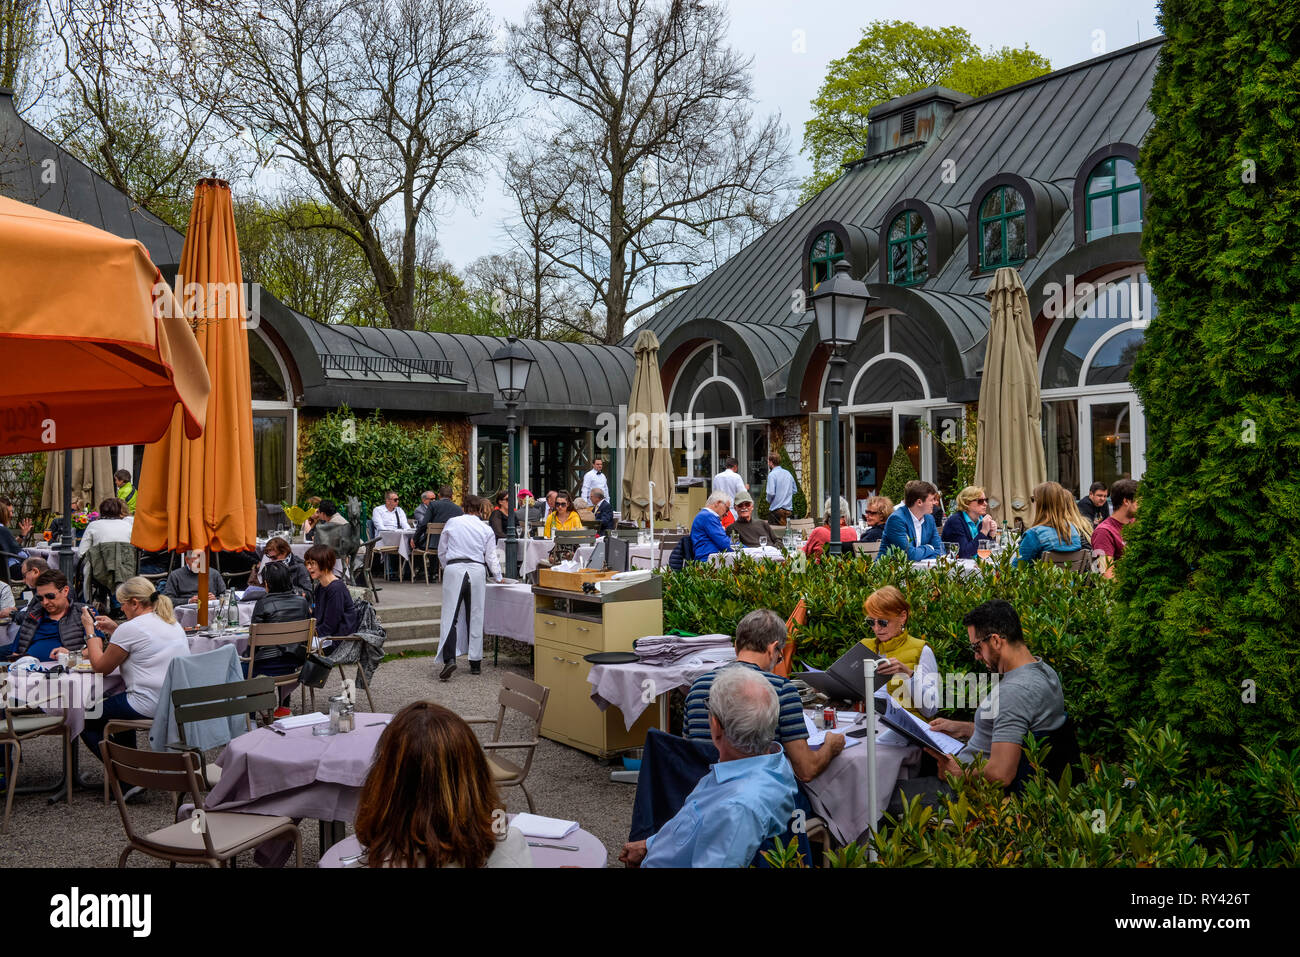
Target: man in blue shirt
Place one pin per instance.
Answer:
(780, 490)
(52, 621)
(747, 797)
(707, 534)
(912, 527)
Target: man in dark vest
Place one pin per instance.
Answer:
(51, 623)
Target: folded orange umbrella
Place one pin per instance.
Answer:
(96, 348)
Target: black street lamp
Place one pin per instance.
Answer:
(840, 302)
(511, 365)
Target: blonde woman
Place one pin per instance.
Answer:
(970, 522)
(879, 508)
(141, 648)
(911, 662)
(1057, 525)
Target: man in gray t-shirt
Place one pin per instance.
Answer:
(1027, 699)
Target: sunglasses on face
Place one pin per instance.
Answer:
(878, 622)
(50, 597)
(981, 501)
(975, 645)
(874, 511)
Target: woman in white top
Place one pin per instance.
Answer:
(141, 648)
(113, 525)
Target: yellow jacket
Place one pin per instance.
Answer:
(572, 524)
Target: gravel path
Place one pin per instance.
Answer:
(564, 782)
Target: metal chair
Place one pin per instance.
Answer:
(803, 526)
(367, 572)
(431, 548)
(158, 578)
(21, 725)
(278, 634)
(1079, 560)
(529, 699)
(870, 549)
(211, 837)
(388, 550)
(228, 700)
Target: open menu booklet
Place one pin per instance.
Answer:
(901, 721)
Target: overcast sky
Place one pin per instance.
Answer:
(785, 80)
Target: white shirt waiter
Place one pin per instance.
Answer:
(729, 481)
(467, 552)
(594, 478)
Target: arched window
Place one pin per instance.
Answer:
(1003, 233)
(908, 250)
(826, 252)
(1113, 199)
(267, 380)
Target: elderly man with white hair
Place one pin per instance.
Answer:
(746, 798)
(707, 534)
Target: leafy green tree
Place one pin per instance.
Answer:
(1206, 631)
(892, 59)
(900, 472)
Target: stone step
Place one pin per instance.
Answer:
(392, 647)
(396, 614)
(424, 629)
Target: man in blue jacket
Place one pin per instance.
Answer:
(912, 527)
(707, 534)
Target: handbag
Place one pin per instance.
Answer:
(315, 671)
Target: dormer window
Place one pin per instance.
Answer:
(1113, 199)
(908, 249)
(826, 252)
(1003, 232)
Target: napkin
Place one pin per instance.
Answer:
(300, 720)
(550, 828)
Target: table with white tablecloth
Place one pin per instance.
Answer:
(201, 642)
(508, 611)
(71, 695)
(399, 538)
(529, 554)
(633, 687)
(766, 553)
(839, 793)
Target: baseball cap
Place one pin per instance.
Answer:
(743, 498)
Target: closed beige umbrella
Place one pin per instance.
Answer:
(649, 448)
(92, 478)
(1009, 460)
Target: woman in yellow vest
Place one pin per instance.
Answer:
(915, 684)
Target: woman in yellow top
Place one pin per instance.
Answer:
(562, 517)
(915, 684)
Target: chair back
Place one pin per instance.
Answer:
(1064, 743)
(224, 701)
(1079, 560)
(341, 537)
(802, 525)
(264, 634)
(870, 549)
(626, 534)
(176, 772)
(575, 537)
(798, 618)
(432, 529)
(529, 699)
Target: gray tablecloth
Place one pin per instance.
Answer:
(299, 774)
(624, 686)
(188, 615)
(839, 794)
(590, 853)
(201, 643)
(508, 611)
(69, 695)
(771, 553)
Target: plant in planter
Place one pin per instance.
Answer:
(899, 473)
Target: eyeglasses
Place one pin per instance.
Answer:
(878, 622)
(981, 501)
(875, 511)
(745, 505)
(50, 597)
(975, 645)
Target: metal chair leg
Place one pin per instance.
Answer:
(11, 780)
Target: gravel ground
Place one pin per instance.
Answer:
(564, 782)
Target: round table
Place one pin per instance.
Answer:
(590, 853)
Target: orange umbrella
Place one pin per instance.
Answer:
(96, 347)
(198, 493)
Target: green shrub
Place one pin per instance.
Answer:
(900, 472)
(1206, 629)
(346, 455)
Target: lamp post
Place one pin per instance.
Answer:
(511, 365)
(839, 303)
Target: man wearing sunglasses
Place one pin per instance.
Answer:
(51, 623)
(1027, 699)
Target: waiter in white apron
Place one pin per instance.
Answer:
(467, 552)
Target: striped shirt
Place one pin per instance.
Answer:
(790, 727)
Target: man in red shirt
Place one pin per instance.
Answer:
(1108, 537)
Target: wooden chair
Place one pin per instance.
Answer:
(567, 542)
(228, 700)
(214, 838)
(528, 698)
(279, 633)
(1079, 560)
(431, 548)
(870, 549)
(19, 725)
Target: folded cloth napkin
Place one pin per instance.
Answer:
(670, 649)
(300, 720)
(550, 828)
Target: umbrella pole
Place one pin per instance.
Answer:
(67, 560)
(202, 597)
(652, 525)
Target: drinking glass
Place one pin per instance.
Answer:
(762, 541)
(983, 548)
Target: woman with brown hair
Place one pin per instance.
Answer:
(1057, 525)
(429, 799)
